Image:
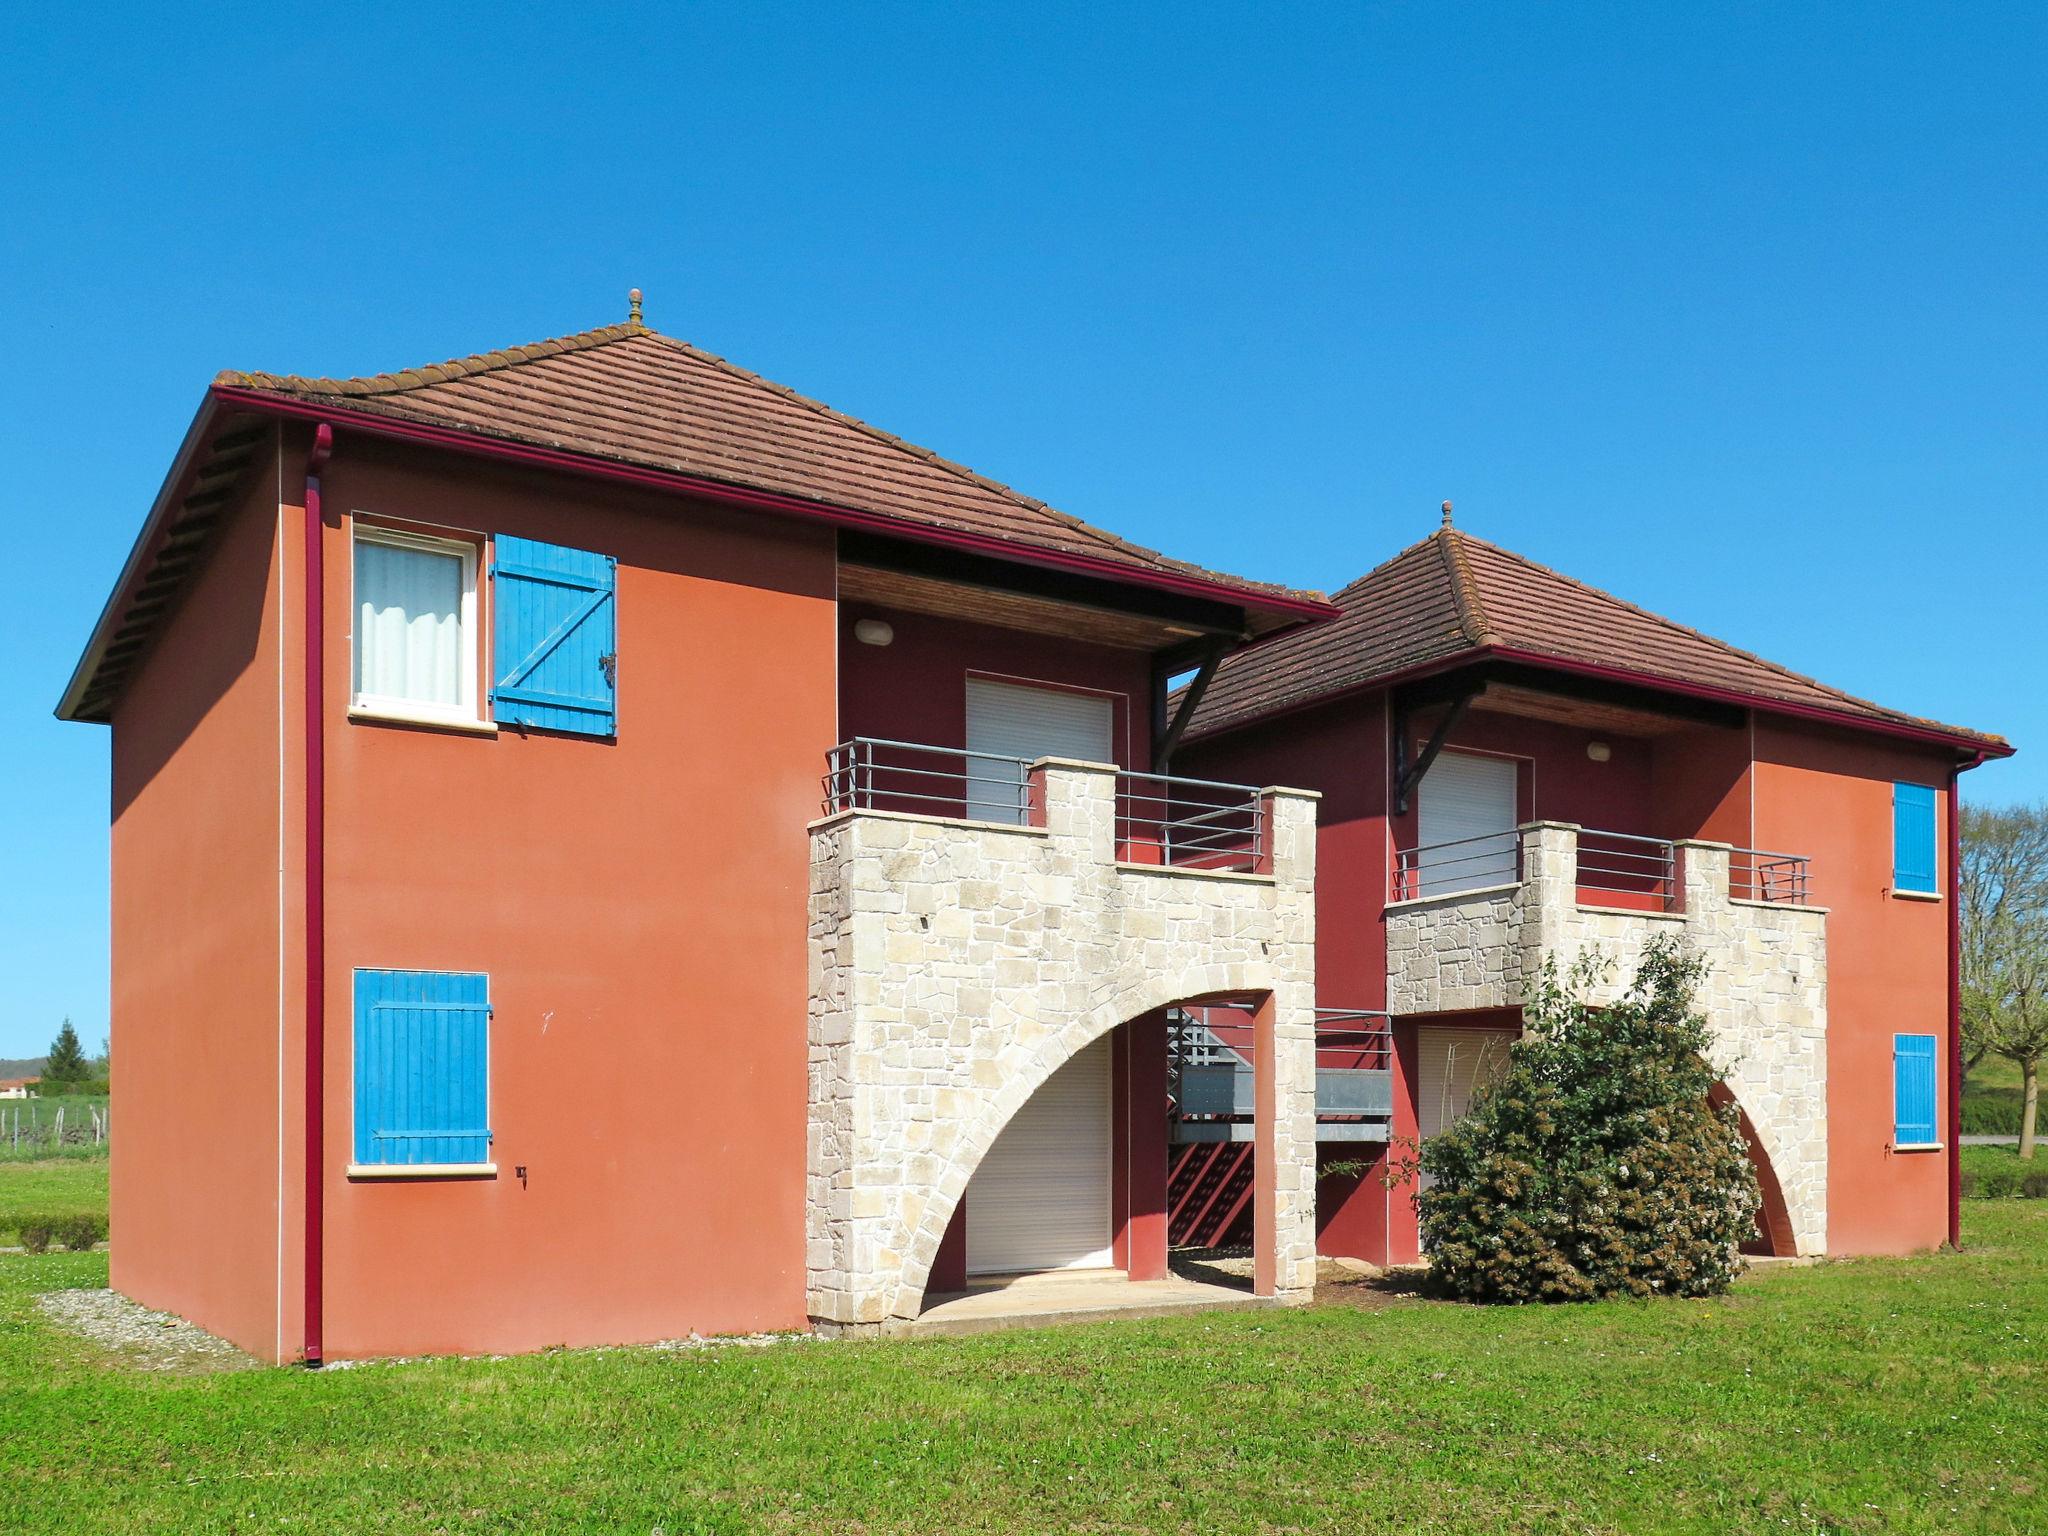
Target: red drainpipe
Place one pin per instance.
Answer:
(1955, 998)
(316, 899)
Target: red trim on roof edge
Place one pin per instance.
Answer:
(718, 490)
(1976, 746)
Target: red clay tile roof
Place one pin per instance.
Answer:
(1453, 595)
(631, 395)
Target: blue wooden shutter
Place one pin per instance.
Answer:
(422, 1067)
(1913, 837)
(1913, 1091)
(555, 638)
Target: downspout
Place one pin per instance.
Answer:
(316, 900)
(1955, 999)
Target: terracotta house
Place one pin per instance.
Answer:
(612, 848)
(1514, 767)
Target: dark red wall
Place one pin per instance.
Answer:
(915, 688)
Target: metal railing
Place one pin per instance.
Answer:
(1211, 1075)
(1366, 1034)
(1189, 823)
(1623, 864)
(1781, 878)
(872, 774)
(1462, 864)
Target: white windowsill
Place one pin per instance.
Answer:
(397, 714)
(423, 1170)
(1900, 895)
(1919, 1146)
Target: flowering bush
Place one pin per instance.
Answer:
(1594, 1165)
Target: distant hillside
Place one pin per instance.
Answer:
(22, 1066)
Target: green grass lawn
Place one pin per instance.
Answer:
(1907, 1395)
(53, 1187)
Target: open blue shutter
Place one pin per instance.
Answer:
(1913, 1091)
(555, 638)
(1913, 837)
(422, 1067)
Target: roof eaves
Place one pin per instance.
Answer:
(374, 416)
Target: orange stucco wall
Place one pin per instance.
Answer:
(1829, 795)
(200, 971)
(640, 908)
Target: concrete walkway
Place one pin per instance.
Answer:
(1071, 1296)
(1990, 1141)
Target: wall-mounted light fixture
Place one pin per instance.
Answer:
(1599, 751)
(874, 632)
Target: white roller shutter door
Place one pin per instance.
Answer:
(1040, 1199)
(1450, 1066)
(1009, 721)
(1464, 797)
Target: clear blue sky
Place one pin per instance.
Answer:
(1735, 311)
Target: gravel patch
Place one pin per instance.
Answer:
(145, 1340)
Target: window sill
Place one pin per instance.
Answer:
(383, 714)
(1919, 1146)
(422, 1170)
(1899, 895)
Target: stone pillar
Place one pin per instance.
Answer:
(1702, 874)
(1549, 895)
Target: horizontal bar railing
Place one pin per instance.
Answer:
(1462, 864)
(1366, 1034)
(1623, 864)
(872, 774)
(1784, 879)
(1211, 1070)
(1189, 823)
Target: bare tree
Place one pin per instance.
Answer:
(2005, 945)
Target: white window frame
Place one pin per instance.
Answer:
(467, 711)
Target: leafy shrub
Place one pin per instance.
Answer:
(36, 1234)
(79, 1233)
(2005, 1183)
(1594, 1165)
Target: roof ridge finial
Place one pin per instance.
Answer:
(633, 318)
(1447, 514)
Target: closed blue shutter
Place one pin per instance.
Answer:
(1912, 837)
(555, 637)
(422, 1067)
(1913, 1091)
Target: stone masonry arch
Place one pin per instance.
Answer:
(956, 965)
(995, 1108)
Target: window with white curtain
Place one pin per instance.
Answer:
(415, 623)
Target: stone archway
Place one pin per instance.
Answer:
(957, 966)
(1773, 1218)
(998, 1107)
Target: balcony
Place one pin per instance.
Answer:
(975, 921)
(1468, 922)
(1471, 925)
(1177, 823)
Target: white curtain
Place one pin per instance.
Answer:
(408, 624)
